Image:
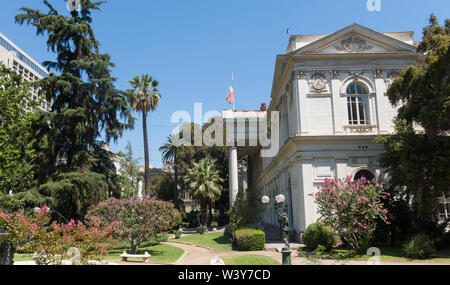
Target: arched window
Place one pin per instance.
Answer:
(357, 105)
(364, 173)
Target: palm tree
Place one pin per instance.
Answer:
(169, 153)
(204, 184)
(144, 97)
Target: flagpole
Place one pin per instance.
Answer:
(232, 84)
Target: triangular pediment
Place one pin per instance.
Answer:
(355, 39)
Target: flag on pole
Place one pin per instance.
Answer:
(230, 97)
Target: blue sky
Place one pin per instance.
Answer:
(192, 46)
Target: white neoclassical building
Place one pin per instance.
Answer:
(330, 91)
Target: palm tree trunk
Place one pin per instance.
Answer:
(146, 155)
(210, 213)
(175, 190)
(204, 210)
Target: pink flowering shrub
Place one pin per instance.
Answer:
(352, 208)
(139, 219)
(49, 243)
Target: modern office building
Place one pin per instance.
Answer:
(15, 58)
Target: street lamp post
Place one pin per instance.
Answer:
(284, 224)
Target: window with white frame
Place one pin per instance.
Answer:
(357, 105)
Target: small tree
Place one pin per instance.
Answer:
(352, 209)
(129, 174)
(204, 181)
(139, 219)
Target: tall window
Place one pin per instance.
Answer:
(357, 105)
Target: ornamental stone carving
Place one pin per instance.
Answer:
(378, 73)
(300, 74)
(318, 82)
(334, 74)
(390, 77)
(353, 44)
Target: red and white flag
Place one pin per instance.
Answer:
(230, 97)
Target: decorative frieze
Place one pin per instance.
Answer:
(359, 129)
(353, 44)
(356, 74)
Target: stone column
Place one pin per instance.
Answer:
(296, 101)
(338, 105)
(302, 90)
(379, 105)
(233, 174)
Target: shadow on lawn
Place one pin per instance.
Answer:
(146, 246)
(387, 253)
(223, 239)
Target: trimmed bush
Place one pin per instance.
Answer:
(319, 234)
(249, 239)
(201, 229)
(178, 234)
(419, 247)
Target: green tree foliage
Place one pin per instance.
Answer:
(246, 210)
(72, 167)
(144, 98)
(187, 154)
(204, 184)
(129, 174)
(420, 161)
(162, 187)
(15, 130)
(169, 153)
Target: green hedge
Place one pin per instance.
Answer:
(419, 247)
(249, 239)
(319, 234)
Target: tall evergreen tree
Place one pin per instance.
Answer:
(420, 161)
(73, 168)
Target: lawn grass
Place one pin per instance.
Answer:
(21, 257)
(218, 242)
(249, 259)
(159, 253)
(387, 254)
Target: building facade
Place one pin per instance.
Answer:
(15, 58)
(331, 95)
